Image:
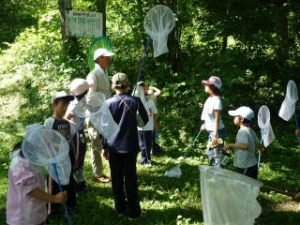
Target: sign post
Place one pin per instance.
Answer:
(84, 24)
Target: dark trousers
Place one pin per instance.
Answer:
(79, 156)
(250, 171)
(80, 149)
(123, 175)
(145, 142)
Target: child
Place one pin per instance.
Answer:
(26, 198)
(213, 123)
(246, 141)
(122, 150)
(78, 88)
(152, 93)
(60, 102)
(146, 133)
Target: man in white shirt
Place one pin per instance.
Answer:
(99, 82)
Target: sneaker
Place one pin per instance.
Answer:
(148, 164)
(102, 179)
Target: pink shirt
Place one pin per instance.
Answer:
(21, 208)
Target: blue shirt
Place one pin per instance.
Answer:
(124, 108)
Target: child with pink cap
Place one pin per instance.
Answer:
(211, 115)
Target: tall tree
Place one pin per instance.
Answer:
(70, 43)
(101, 6)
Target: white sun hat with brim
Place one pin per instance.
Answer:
(243, 111)
(102, 52)
(78, 86)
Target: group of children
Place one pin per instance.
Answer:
(27, 196)
(246, 141)
(26, 183)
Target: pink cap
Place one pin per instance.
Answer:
(213, 80)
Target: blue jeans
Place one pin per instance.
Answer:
(215, 155)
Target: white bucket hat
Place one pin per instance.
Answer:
(78, 86)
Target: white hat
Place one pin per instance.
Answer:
(213, 80)
(78, 86)
(62, 94)
(243, 111)
(102, 52)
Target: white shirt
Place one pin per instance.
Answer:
(211, 104)
(77, 122)
(152, 110)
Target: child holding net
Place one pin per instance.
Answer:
(213, 124)
(245, 144)
(26, 198)
(60, 102)
(78, 88)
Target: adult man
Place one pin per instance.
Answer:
(99, 82)
(122, 149)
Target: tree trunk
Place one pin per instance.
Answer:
(70, 44)
(281, 26)
(174, 39)
(101, 6)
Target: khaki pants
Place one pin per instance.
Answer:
(96, 151)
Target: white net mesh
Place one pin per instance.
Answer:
(89, 104)
(104, 122)
(158, 23)
(288, 106)
(174, 172)
(45, 147)
(263, 117)
(228, 198)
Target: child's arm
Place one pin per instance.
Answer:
(155, 91)
(43, 196)
(260, 147)
(217, 115)
(236, 146)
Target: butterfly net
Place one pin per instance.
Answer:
(45, 147)
(264, 124)
(104, 122)
(288, 105)
(158, 23)
(89, 104)
(228, 198)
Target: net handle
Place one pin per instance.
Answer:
(60, 189)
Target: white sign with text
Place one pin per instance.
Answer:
(84, 24)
